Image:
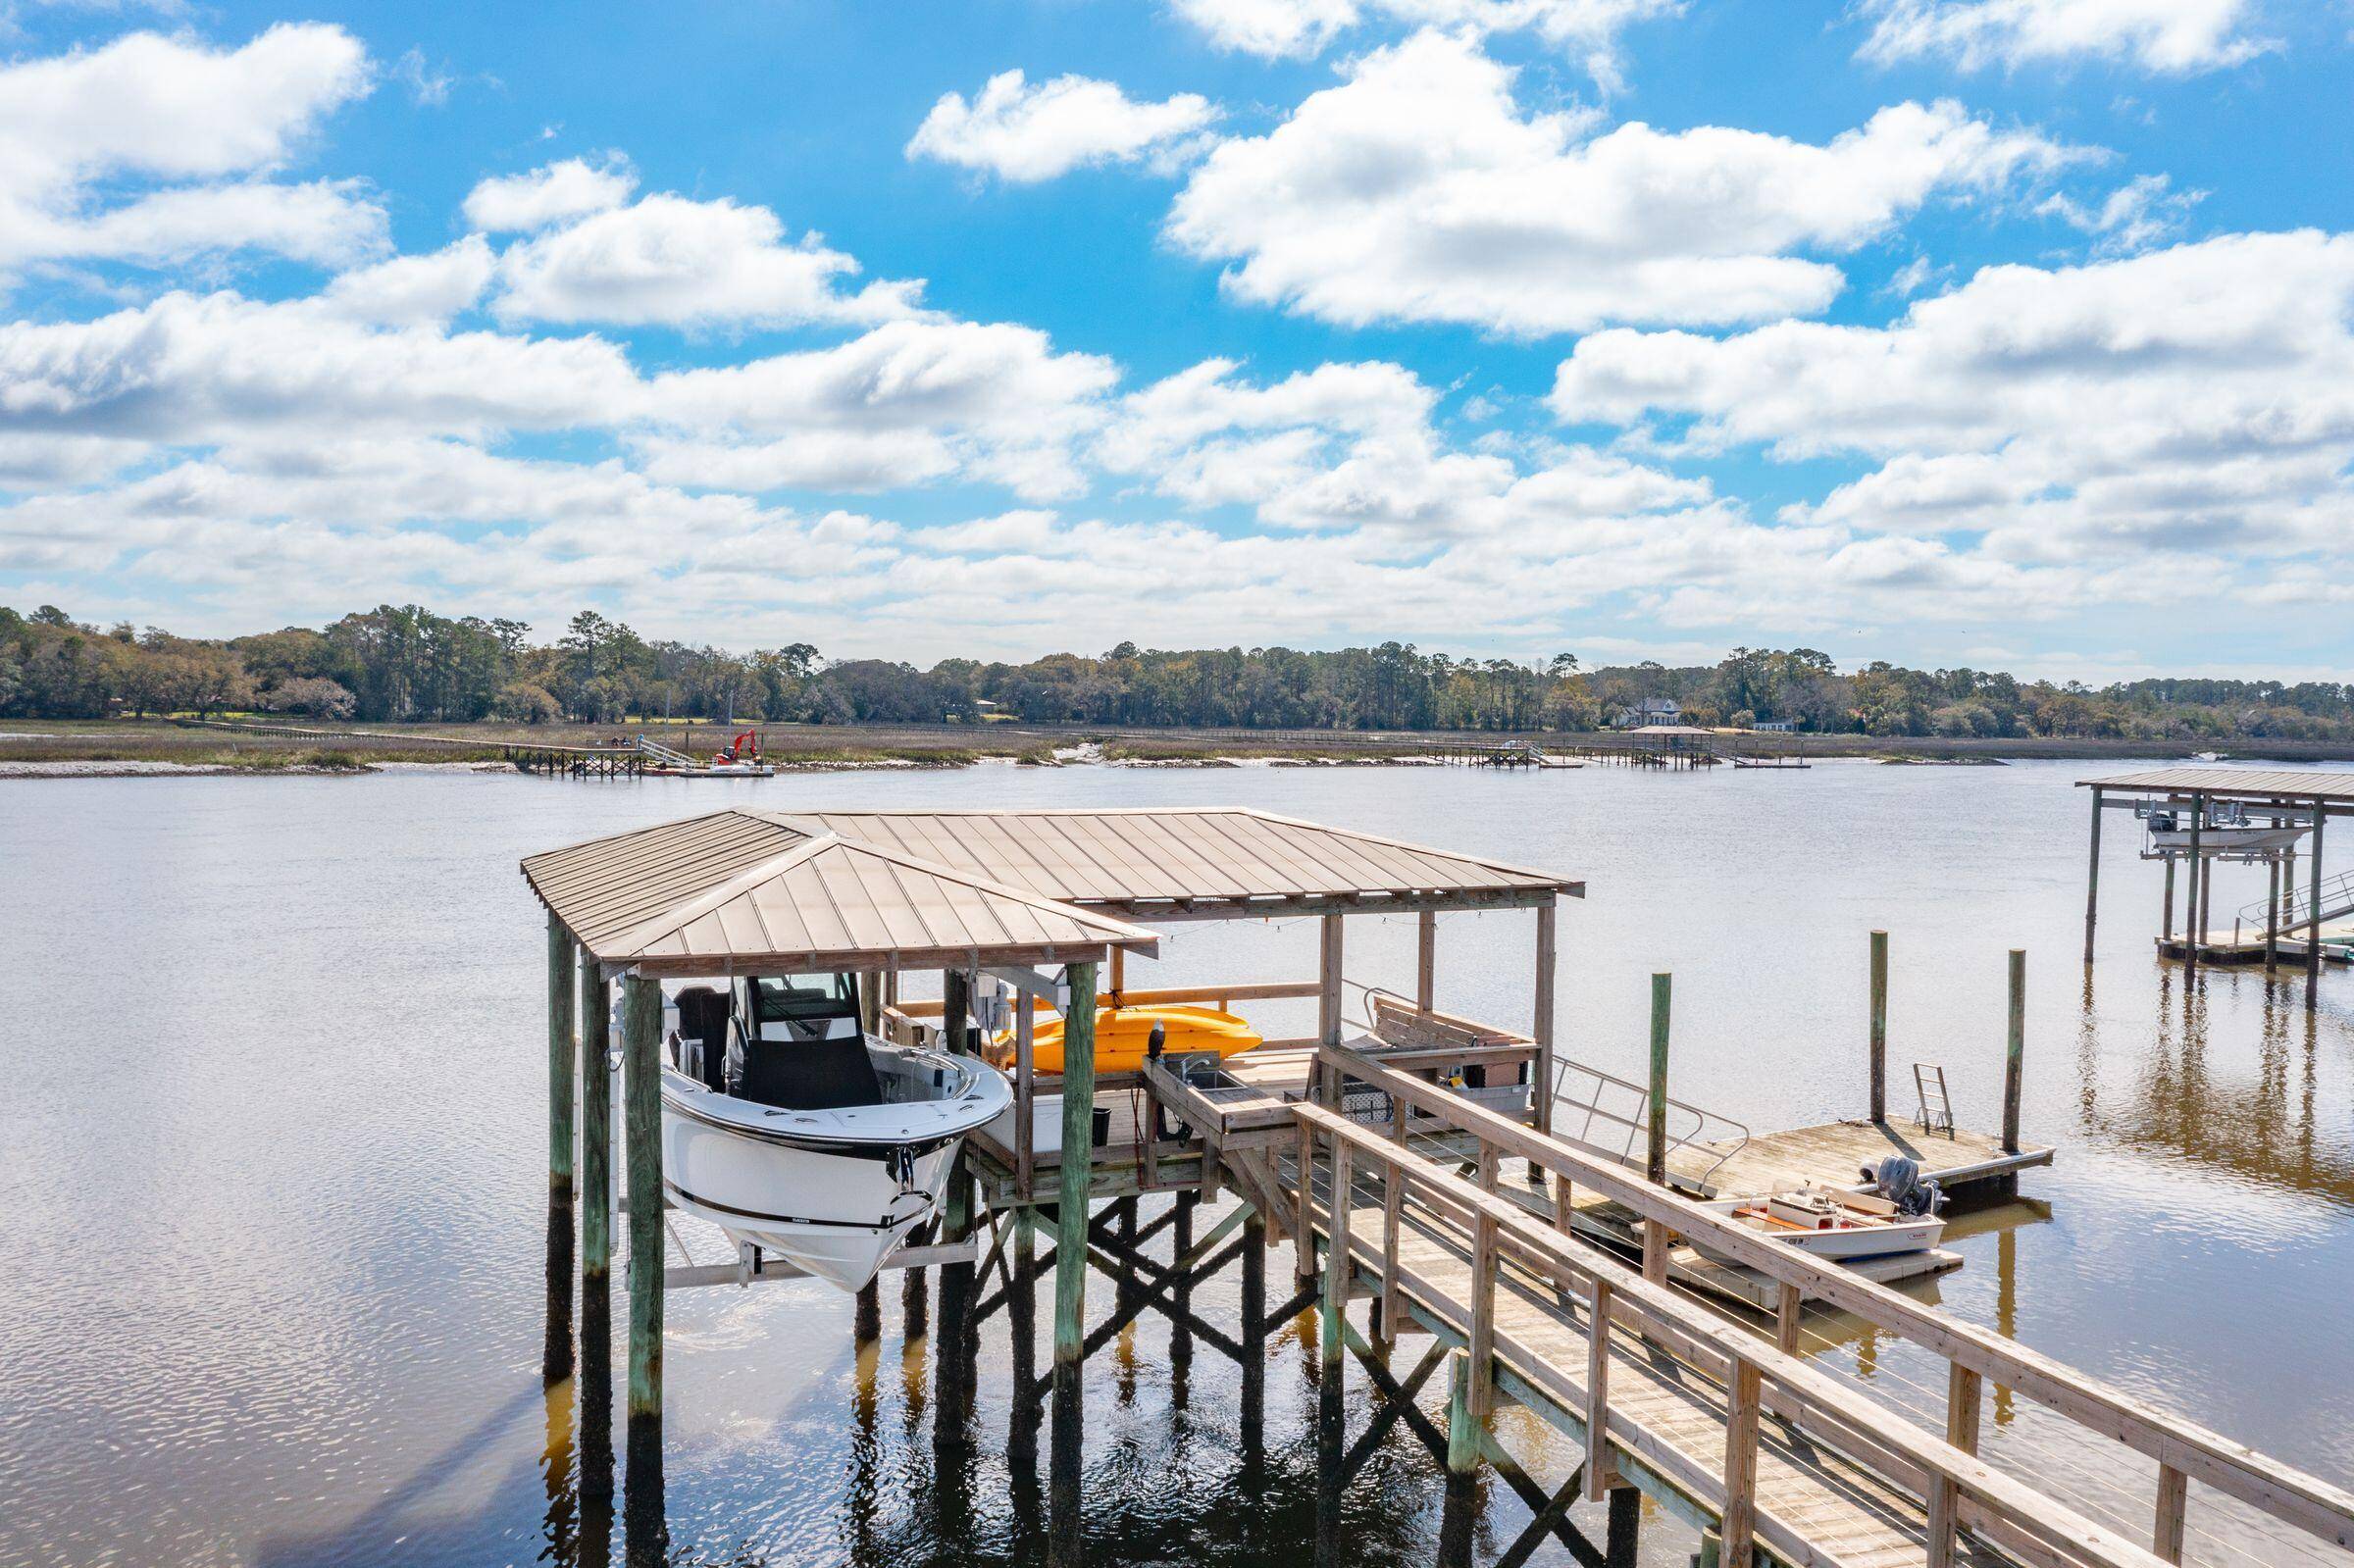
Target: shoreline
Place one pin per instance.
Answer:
(34, 749)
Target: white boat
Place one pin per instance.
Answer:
(2221, 835)
(1826, 1222)
(798, 1135)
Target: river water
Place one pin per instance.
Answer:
(273, 1143)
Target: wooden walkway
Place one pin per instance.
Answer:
(1725, 1428)
(1844, 1513)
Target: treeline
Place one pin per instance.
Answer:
(398, 664)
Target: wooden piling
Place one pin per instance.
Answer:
(2272, 913)
(560, 1051)
(597, 1128)
(556, 1357)
(1328, 994)
(1601, 1474)
(2167, 928)
(2092, 877)
(1879, 1026)
(2173, 1504)
(1078, 1160)
(1548, 960)
(1336, 1270)
(1655, 1146)
(1741, 1465)
(1462, 1435)
(2191, 933)
(642, 1133)
(2015, 1060)
(2313, 914)
(1426, 961)
(1253, 1331)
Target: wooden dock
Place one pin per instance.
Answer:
(2337, 942)
(1381, 1160)
(1769, 1455)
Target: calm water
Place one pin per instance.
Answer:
(272, 1145)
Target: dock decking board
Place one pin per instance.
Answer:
(1845, 1515)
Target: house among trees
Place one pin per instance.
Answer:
(1648, 711)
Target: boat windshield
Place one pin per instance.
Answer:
(801, 1007)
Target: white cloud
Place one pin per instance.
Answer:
(1416, 190)
(2167, 37)
(1024, 133)
(815, 460)
(992, 398)
(1303, 29)
(571, 188)
(414, 290)
(76, 129)
(2193, 401)
(1270, 28)
(190, 368)
(1350, 449)
(2133, 217)
(670, 261)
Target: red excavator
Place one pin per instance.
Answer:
(742, 756)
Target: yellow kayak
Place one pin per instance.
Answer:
(1121, 1035)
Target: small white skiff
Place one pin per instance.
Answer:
(2220, 833)
(1830, 1223)
(794, 1133)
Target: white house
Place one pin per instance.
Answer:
(1650, 711)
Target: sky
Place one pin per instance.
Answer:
(2012, 333)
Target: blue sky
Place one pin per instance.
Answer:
(2007, 333)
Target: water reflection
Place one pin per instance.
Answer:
(1162, 1481)
(2198, 1095)
(343, 1365)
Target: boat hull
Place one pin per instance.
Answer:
(2227, 841)
(831, 1202)
(1897, 1233)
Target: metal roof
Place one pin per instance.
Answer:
(2296, 785)
(1191, 862)
(780, 891)
(738, 891)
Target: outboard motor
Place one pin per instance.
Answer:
(1899, 1181)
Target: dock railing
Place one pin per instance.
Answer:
(1610, 1116)
(2297, 905)
(1958, 1489)
(2184, 1450)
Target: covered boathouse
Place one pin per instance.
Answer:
(1047, 903)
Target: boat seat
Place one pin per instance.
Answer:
(809, 1075)
(703, 1024)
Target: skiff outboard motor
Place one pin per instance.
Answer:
(1899, 1181)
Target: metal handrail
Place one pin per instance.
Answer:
(1688, 1125)
(2337, 898)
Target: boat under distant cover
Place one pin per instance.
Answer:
(794, 1133)
(2221, 835)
